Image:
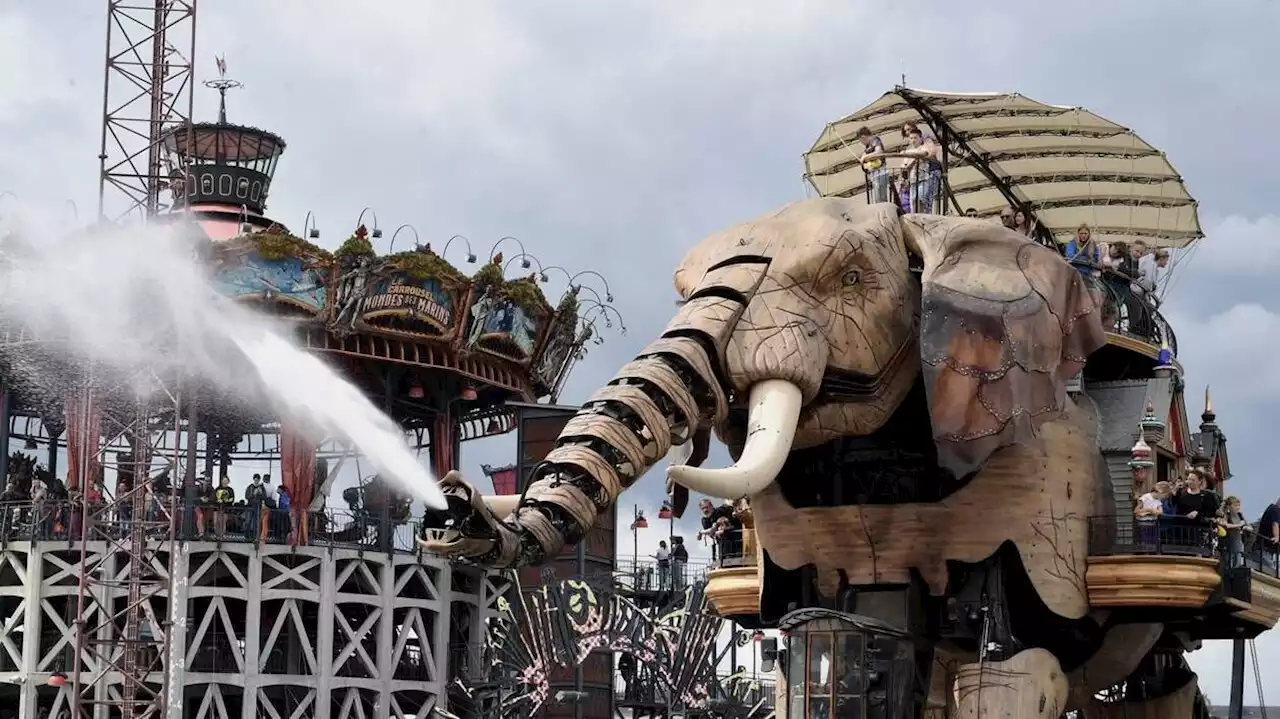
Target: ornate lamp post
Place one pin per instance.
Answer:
(638, 523)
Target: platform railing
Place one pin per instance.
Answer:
(60, 521)
(735, 548)
(920, 189)
(1126, 307)
(648, 575)
(1117, 535)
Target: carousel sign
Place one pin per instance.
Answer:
(413, 300)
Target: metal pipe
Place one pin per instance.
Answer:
(85, 518)
(6, 412)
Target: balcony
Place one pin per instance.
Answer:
(1174, 568)
(1130, 314)
(61, 522)
(733, 584)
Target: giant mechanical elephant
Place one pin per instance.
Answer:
(893, 391)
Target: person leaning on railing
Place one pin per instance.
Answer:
(924, 166)
(223, 498)
(1231, 528)
(1269, 538)
(1083, 252)
(1148, 511)
(874, 164)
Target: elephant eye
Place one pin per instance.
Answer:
(850, 278)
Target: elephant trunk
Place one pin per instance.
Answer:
(661, 399)
(656, 401)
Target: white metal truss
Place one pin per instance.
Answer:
(147, 93)
(263, 631)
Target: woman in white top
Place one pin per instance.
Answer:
(1149, 509)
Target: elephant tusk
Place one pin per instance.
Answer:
(771, 427)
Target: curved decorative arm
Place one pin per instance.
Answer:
(376, 232)
(494, 250)
(309, 229)
(524, 258)
(416, 240)
(471, 256)
(608, 294)
(594, 307)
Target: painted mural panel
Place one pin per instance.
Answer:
(503, 327)
(290, 280)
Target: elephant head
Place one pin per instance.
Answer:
(800, 327)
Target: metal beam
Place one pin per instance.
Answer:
(942, 126)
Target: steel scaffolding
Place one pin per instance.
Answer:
(126, 536)
(147, 93)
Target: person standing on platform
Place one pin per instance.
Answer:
(679, 560)
(664, 565)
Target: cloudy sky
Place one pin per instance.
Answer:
(612, 136)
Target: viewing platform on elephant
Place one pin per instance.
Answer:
(733, 583)
(1183, 572)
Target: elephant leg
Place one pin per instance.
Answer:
(1179, 704)
(942, 698)
(1029, 684)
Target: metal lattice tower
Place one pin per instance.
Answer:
(147, 92)
(124, 598)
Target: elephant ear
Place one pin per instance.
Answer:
(1004, 323)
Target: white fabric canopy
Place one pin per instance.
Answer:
(1068, 165)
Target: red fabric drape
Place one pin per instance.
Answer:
(82, 444)
(443, 433)
(298, 470)
(504, 480)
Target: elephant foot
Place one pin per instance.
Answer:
(468, 528)
(1028, 684)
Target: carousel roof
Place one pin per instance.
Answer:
(1068, 165)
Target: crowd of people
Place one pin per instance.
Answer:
(915, 185)
(1132, 272)
(1188, 515)
(47, 509)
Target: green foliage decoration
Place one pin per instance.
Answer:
(356, 247)
(427, 265)
(272, 246)
(525, 293)
(490, 274)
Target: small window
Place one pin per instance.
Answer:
(242, 188)
(206, 184)
(224, 185)
(256, 192)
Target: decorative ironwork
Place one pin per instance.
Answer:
(561, 623)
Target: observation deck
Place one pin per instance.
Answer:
(1169, 570)
(358, 618)
(229, 165)
(733, 583)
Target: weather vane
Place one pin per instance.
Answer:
(222, 84)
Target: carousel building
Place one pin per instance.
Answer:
(124, 589)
